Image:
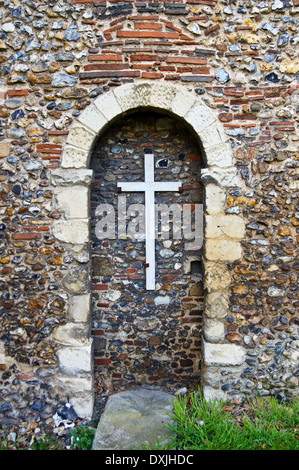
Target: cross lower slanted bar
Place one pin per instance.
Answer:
(149, 187)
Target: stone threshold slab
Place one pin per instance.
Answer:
(133, 419)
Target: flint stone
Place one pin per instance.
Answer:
(134, 418)
(222, 76)
(62, 79)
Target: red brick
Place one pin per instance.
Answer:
(100, 287)
(90, 67)
(98, 333)
(49, 150)
(144, 57)
(147, 34)
(210, 3)
(212, 29)
(167, 68)
(148, 25)
(102, 362)
(130, 271)
(88, 1)
(187, 60)
(172, 76)
(29, 227)
(154, 75)
(105, 57)
(184, 69)
(17, 92)
(171, 26)
(141, 18)
(185, 37)
(24, 236)
(58, 132)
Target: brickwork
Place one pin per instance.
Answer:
(69, 70)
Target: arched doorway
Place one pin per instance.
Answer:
(222, 232)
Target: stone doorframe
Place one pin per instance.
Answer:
(222, 237)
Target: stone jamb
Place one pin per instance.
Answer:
(223, 233)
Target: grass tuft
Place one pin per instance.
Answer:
(263, 424)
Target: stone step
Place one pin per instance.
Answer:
(133, 419)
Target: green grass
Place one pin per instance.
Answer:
(265, 425)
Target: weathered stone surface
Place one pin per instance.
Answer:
(76, 281)
(215, 199)
(134, 419)
(227, 225)
(216, 305)
(223, 354)
(73, 202)
(74, 231)
(75, 360)
(80, 137)
(214, 330)
(74, 157)
(224, 250)
(79, 308)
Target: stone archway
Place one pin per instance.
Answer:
(223, 232)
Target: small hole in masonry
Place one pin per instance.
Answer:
(195, 267)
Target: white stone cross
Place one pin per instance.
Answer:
(149, 186)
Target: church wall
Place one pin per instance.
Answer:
(57, 59)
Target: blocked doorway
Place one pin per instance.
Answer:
(143, 336)
(223, 232)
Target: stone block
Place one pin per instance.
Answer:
(157, 95)
(228, 225)
(223, 354)
(79, 136)
(108, 105)
(127, 97)
(220, 155)
(71, 177)
(214, 330)
(79, 391)
(223, 250)
(135, 418)
(212, 394)
(215, 199)
(73, 202)
(92, 118)
(79, 308)
(74, 231)
(224, 177)
(75, 360)
(73, 157)
(216, 305)
(199, 117)
(71, 334)
(76, 280)
(217, 277)
(182, 103)
(212, 136)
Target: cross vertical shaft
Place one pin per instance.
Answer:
(149, 186)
